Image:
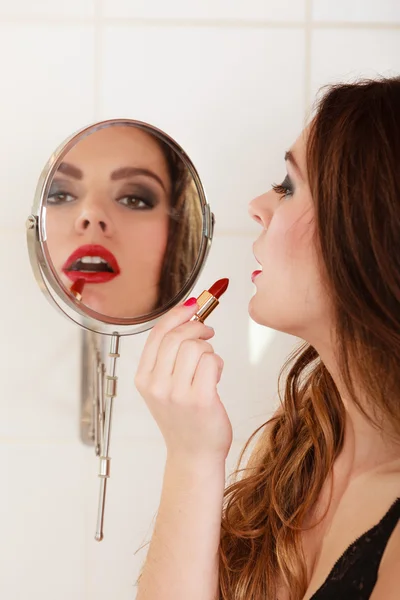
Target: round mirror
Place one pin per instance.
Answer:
(120, 228)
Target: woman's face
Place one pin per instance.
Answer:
(289, 295)
(107, 220)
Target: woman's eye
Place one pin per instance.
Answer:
(284, 189)
(59, 197)
(136, 203)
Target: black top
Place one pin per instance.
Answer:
(354, 575)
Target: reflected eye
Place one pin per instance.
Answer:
(59, 197)
(135, 203)
(285, 189)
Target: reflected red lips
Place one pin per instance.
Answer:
(93, 263)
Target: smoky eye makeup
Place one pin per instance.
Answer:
(61, 192)
(284, 189)
(138, 196)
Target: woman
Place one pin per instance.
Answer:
(120, 210)
(315, 514)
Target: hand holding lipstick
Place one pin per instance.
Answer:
(178, 376)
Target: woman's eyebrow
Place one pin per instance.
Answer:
(125, 172)
(289, 156)
(70, 170)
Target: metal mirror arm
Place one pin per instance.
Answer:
(104, 467)
(92, 386)
(97, 416)
(99, 411)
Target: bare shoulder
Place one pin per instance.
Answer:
(388, 583)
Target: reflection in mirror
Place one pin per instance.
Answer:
(123, 221)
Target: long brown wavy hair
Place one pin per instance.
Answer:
(353, 158)
(185, 228)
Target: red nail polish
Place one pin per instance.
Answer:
(190, 302)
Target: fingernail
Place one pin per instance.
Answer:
(190, 302)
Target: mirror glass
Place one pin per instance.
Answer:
(123, 220)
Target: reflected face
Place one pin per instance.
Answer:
(289, 293)
(107, 220)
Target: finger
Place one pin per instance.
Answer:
(172, 319)
(220, 369)
(207, 375)
(171, 343)
(187, 359)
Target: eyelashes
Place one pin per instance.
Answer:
(284, 189)
(138, 197)
(134, 202)
(59, 196)
(61, 192)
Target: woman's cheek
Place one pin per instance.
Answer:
(293, 233)
(278, 242)
(58, 242)
(153, 243)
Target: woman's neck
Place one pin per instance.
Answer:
(366, 448)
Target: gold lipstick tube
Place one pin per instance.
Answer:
(77, 295)
(207, 303)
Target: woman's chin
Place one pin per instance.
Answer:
(261, 314)
(253, 310)
(95, 304)
(116, 310)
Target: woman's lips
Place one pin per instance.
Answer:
(80, 266)
(259, 271)
(255, 274)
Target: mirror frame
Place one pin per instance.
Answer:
(44, 272)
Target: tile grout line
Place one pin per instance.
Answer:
(354, 25)
(98, 32)
(97, 42)
(260, 24)
(215, 23)
(308, 58)
(39, 441)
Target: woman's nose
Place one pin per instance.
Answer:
(260, 209)
(93, 219)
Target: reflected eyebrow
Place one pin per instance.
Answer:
(70, 170)
(289, 156)
(125, 172)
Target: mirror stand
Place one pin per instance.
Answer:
(110, 394)
(98, 392)
(160, 177)
(92, 388)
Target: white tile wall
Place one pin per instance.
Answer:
(43, 518)
(221, 119)
(231, 86)
(345, 54)
(25, 9)
(39, 354)
(132, 502)
(274, 10)
(369, 11)
(47, 92)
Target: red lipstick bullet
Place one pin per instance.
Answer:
(209, 299)
(219, 288)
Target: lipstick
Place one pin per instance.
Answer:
(209, 299)
(77, 288)
(103, 269)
